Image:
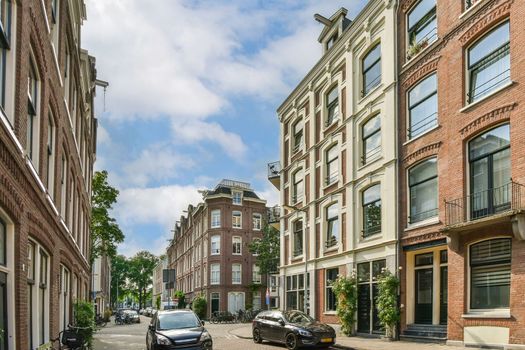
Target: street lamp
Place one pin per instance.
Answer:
(304, 210)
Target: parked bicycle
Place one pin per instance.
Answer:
(70, 339)
(222, 317)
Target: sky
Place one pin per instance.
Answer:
(192, 98)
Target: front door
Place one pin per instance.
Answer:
(3, 312)
(215, 300)
(363, 308)
(424, 287)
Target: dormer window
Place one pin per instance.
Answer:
(332, 105)
(331, 41)
(237, 197)
(297, 135)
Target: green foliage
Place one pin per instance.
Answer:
(182, 299)
(388, 311)
(119, 275)
(140, 274)
(84, 318)
(199, 306)
(267, 250)
(345, 289)
(105, 232)
(157, 302)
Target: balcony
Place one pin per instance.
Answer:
(504, 204)
(274, 216)
(274, 174)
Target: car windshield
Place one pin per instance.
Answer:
(131, 312)
(297, 317)
(178, 320)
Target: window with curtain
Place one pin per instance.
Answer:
(215, 274)
(237, 219)
(236, 273)
(215, 245)
(215, 218)
(237, 245)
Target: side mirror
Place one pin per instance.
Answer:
(281, 322)
(151, 327)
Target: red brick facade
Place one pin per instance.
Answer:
(459, 121)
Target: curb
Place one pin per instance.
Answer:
(342, 347)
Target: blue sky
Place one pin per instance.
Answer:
(194, 86)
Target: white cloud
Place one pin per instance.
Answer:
(158, 205)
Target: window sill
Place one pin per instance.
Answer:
(370, 93)
(330, 313)
(329, 126)
(504, 314)
(333, 248)
(237, 228)
(409, 61)
(422, 134)
(371, 237)
(423, 223)
(473, 104)
(370, 162)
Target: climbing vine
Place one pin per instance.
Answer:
(388, 311)
(345, 289)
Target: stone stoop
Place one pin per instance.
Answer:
(425, 333)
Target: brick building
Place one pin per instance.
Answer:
(210, 250)
(462, 170)
(47, 148)
(337, 173)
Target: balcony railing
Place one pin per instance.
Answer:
(274, 169)
(508, 197)
(274, 214)
(470, 3)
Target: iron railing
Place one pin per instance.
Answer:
(470, 3)
(274, 214)
(508, 197)
(274, 169)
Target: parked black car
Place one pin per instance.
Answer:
(177, 329)
(293, 328)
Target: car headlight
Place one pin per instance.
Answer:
(205, 336)
(162, 340)
(305, 333)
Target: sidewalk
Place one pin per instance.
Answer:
(362, 343)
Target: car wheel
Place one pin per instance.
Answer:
(291, 341)
(257, 336)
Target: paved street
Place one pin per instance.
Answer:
(133, 337)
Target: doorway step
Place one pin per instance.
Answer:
(426, 333)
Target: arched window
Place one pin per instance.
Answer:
(422, 106)
(371, 135)
(372, 69)
(372, 210)
(332, 225)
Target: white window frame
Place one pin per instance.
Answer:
(215, 218)
(215, 274)
(33, 115)
(215, 240)
(256, 274)
(237, 275)
(236, 245)
(9, 270)
(237, 197)
(257, 222)
(237, 225)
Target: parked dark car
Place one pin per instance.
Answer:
(177, 329)
(293, 328)
(132, 316)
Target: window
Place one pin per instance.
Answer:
(67, 73)
(332, 225)
(64, 297)
(332, 105)
(332, 165)
(490, 274)
(33, 94)
(237, 197)
(31, 278)
(237, 244)
(215, 245)
(256, 274)
(255, 240)
(5, 45)
(51, 157)
(63, 182)
(215, 271)
(372, 69)
(295, 291)
(257, 221)
(423, 188)
(331, 41)
(489, 162)
(298, 186)
(43, 298)
(237, 219)
(297, 135)
(54, 30)
(367, 292)
(273, 284)
(371, 134)
(423, 106)
(256, 300)
(236, 274)
(372, 210)
(331, 300)
(422, 24)
(215, 218)
(298, 238)
(489, 63)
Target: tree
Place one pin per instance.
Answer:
(199, 305)
(105, 232)
(267, 250)
(140, 274)
(182, 299)
(119, 277)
